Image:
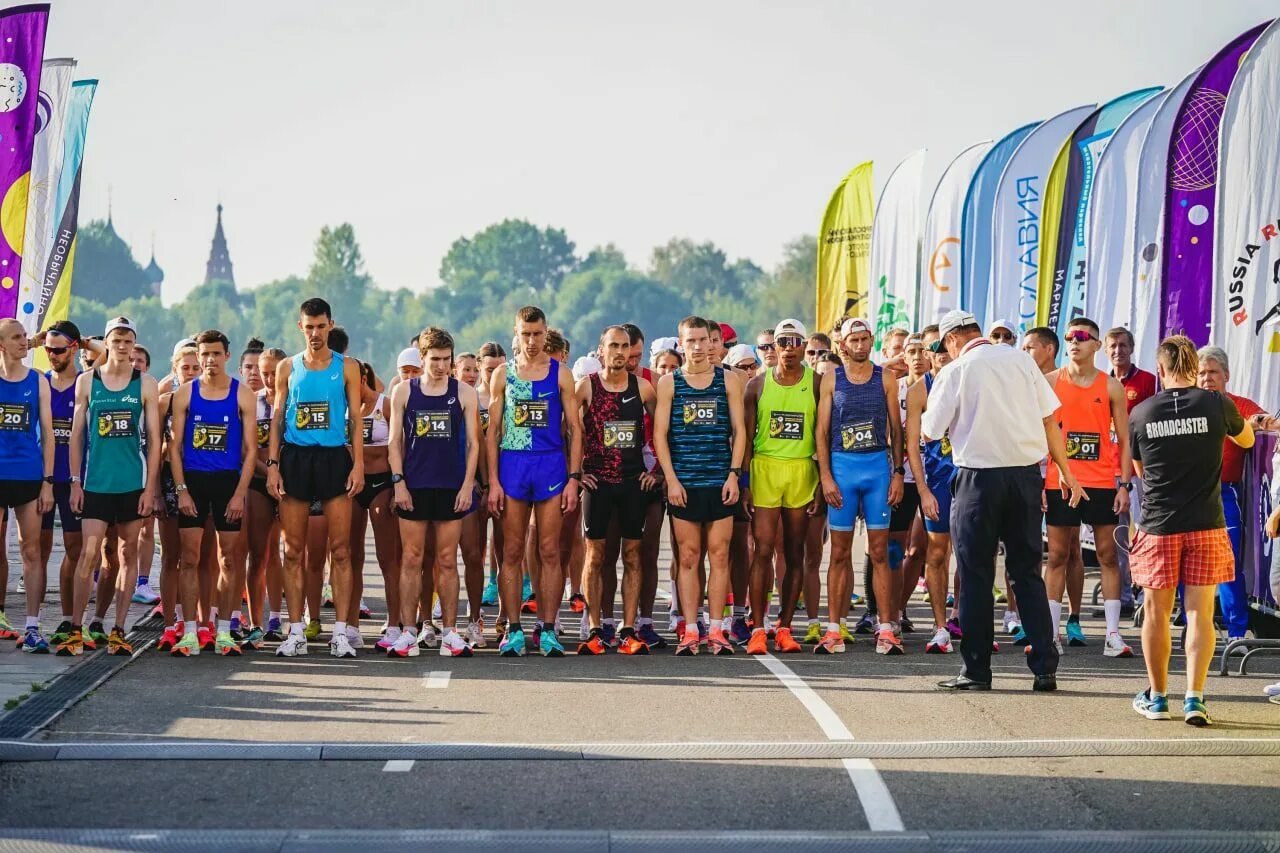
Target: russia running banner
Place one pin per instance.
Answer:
(1064, 239)
(22, 30)
(940, 242)
(1189, 201)
(1246, 268)
(895, 248)
(1113, 212)
(1148, 226)
(844, 250)
(975, 229)
(1017, 219)
(46, 165)
(55, 283)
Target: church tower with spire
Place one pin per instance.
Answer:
(219, 267)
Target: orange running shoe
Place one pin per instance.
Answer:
(759, 642)
(168, 640)
(784, 643)
(887, 642)
(830, 644)
(688, 645)
(577, 603)
(717, 643)
(594, 644)
(633, 645)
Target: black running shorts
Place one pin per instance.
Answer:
(624, 501)
(1095, 511)
(434, 505)
(211, 491)
(120, 508)
(703, 506)
(314, 473)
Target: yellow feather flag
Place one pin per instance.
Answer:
(1054, 190)
(844, 250)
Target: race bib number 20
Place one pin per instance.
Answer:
(15, 416)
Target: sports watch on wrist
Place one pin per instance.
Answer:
(397, 478)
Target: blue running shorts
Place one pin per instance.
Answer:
(532, 475)
(863, 479)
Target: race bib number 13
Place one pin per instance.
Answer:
(531, 413)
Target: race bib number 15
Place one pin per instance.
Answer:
(312, 415)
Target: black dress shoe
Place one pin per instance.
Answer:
(1045, 683)
(964, 682)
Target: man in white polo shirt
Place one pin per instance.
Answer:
(997, 410)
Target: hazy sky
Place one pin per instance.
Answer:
(421, 122)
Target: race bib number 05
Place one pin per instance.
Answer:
(531, 413)
(211, 437)
(786, 425)
(701, 412)
(620, 435)
(15, 416)
(860, 435)
(1084, 446)
(312, 415)
(116, 424)
(432, 425)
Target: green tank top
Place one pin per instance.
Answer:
(785, 418)
(116, 462)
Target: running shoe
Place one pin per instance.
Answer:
(61, 633)
(784, 643)
(888, 643)
(96, 635)
(405, 646)
(273, 634)
(144, 594)
(365, 612)
(1075, 634)
(340, 646)
(718, 643)
(995, 647)
(854, 599)
(530, 604)
(512, 645)
(253, 639)
(1194, 713)
(1114, 647)
(577, 602)
(117, 644)
(905, 626)
(225, 644)
(678, 629)
(186, 647)
(475, 634)
(1272, 689)
(1000, 597)
(1010, 621)
(532, 639)
(830, 644)
(354, 637)
(33, 643)
(813, 634)
(759, 642)
(1020, 638)
(21, 586)
(593, 645)
(940, 644)
(489, 598)
(584, 626)
(168, 640)
(207, 638)
(688, 646)
(389, 638)
(951, 599)
(549, 644)
(739, 632)
(73, 646)
(453, 646)
(312, 631)
(867, 624)
(436, 612)
(651, 638)
(292, 646)
(1274, 700)
(922, 586)
(1152, 709)
(526, 589)
(427, 636)
(845, 635)
(609, 633)
(326, 596)
(953, 628)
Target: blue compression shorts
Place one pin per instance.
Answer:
(863, 479)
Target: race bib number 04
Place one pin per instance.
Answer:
(432, 425)
(1084, 446)
(701, 412)
(116, 424)
(860, 435)
(531, 413)
(312, 415)
(15, 416)
(786, 425)
(211, 437)
(620, 435)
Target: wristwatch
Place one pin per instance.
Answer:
(1128, 486)
(736, 472)
(180, 488)
(900, 470)
(273, 463)
(397, 478)
(49, 479)
(576, 475)
(75, 479)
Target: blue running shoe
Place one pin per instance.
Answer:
(739, 631)
(273, 630)
(489, 598)
(1020, 637)
(33, 643)
(854, 598)
(512, 645)
(549, 644)
(1194, 713)
(609, 634)
(1075, 634)
(526, 590)
(235, 625)
(1152, 709)
(650, 637)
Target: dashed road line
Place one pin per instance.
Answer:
(397, 765)
(437, 679)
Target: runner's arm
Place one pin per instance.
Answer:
(75, 451)
(151, 411)
(1120, 418)
(355, 389)
(283, 369)
(45, 501)
(1239, 430)
(895, 422)
(916, 402)
(750, 398)
(497, 400)
(822, 429)
(248, 437)
(178, 403)
(662, 425)
(573, 418)
(471, 415)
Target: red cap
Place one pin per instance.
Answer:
(727, 334)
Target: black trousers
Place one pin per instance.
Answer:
(991, 505)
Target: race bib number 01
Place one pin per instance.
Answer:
(860, 435)
(531, 413)
(264, 431)
(432, 425)
(620, 435)
(701, 412)
(211, 437)
(786, 425)
(116, 424)
(312, 415)
(1084, 446)
(15, 416)
(62, 430)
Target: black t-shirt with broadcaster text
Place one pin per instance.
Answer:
(1177, 435)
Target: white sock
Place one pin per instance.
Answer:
(739, 612)
(237, 615)
(833, 627)
(644, 620)
(33, 621)
(339, 628)
(450, 631)
(1195, 694)
(295, 629)
(1055, 616)
(213, 614)
(1111, 607)
(191, 626)
(224, 626)
(275, 614)
(813, 621)
(177, 612)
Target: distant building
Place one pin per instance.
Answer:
(219, 266)
(155, 275)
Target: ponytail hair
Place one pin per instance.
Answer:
(1177, 355)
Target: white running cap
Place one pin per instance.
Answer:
(409, 357)
(854, 324)
(953, 320)
(790, 327)
(740, 352)
(585, 366)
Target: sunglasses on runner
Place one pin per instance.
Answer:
(816, 353)
(765, 347)
(55, 350)
(1002, 336)
(788, 342)
(1080, 335)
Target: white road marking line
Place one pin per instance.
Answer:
(877, 803)
(397, 766)
(437, 679)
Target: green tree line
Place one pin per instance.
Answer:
(484, 279)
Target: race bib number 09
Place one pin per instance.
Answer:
(786, 425)
(531, 413)
(15, 416)
(116, 424)
(211, 437)
(860, 435)
(1084, 446)
(432, 425)
(312, 415)
(701, 412)
(620, 435)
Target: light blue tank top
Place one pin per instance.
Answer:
(315, 414)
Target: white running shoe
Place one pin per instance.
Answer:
(475, 635)
(144, 593)
(453, 646)
(22, 586)
(354, 638)
(1272, 689)
(389, 638)
(1114, 647)
(428, 640)
(292, 646)
(1011, 621)
(406, 646)
(940, 644)
(436, 612)
(340, 647)
(922, 588)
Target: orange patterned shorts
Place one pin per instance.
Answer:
(1197, 558)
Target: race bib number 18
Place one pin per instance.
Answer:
(116, 424)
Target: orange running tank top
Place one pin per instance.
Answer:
(1084, 417)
